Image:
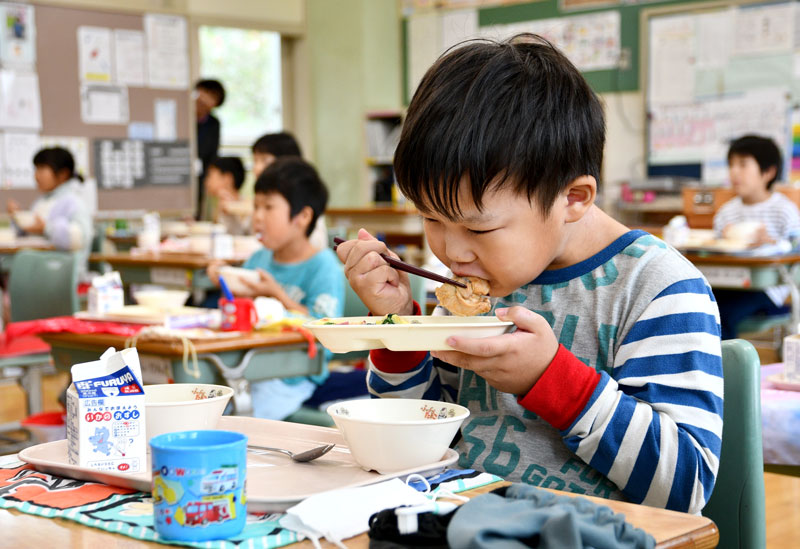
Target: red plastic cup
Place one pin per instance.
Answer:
(238, 315)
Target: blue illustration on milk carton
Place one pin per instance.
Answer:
(105, 414)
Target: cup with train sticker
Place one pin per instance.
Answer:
(199, 484)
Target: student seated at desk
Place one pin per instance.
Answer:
(60, 214)
(272, 146)
(224, 179)
(611, 384)
(289, 198)
(754, 164)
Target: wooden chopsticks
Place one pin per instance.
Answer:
(403, 266)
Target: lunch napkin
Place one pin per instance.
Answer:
(340, 514)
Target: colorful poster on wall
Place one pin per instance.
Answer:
(94, 55)
(17, 35)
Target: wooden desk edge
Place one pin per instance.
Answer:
(175, 348)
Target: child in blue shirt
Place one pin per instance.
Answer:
(611, 384)
(289, 198)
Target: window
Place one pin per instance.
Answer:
(248, 63)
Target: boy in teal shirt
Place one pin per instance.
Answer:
(289, 198)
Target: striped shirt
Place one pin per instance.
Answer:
(630, 407)
(778, 214)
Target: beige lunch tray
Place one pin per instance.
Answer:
(274, 481)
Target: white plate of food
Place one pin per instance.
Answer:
(402, 333)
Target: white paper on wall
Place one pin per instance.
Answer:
(167, 51)
(20, 106)
(131, 57)
(672, 60)
(95, 62)
(18, 151)
(764, 29)
(104, 104)
(165, 116)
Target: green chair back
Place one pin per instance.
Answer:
(43, 284)
(737, 503)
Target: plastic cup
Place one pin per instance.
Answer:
(238, 314)
(199, 484)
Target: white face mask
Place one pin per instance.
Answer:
(340, 514)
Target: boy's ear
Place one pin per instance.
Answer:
(580, 195)
(303, 217)
(769, 173)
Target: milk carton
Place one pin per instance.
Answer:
(106, 293)
(105, 414)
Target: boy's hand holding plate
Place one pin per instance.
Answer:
(511, 363)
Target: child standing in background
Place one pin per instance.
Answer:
(224, 179)
(272, 146)
(208, 95)
(754, 164)
(60, 214)
(289, 198)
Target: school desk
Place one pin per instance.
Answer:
(22, 531)
(182, 270)
(233, 361)
(752, 273)
(780, 428)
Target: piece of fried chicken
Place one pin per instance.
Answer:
(469, 301)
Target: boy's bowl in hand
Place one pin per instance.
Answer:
(161, 300)
(183, 407)
(393, 434)
(234, 277)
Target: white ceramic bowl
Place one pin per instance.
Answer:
(24, 218)
(161, 300)
(423, 333)
(393, 434)
(235, 275)
(184, 407)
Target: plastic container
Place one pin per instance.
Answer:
(46, 426)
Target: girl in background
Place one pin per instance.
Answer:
(60, 214)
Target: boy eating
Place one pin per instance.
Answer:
(223, 181)
(611, 384)
(289, 198)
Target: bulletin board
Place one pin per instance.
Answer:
(60, 88)
(717, 71)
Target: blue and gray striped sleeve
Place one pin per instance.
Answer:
(653, 425)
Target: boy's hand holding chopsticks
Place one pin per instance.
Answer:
(382, 288)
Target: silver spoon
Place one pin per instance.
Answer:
(308, 455)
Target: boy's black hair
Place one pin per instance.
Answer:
(515, 113)
(763, 149)
(277, 144)
(232, 165)
(213, 87)
(299, 183)
(57, 159)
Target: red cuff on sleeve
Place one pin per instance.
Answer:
(563, 390)
(397, 362)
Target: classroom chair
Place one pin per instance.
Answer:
(41, 284)
(737, 503)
